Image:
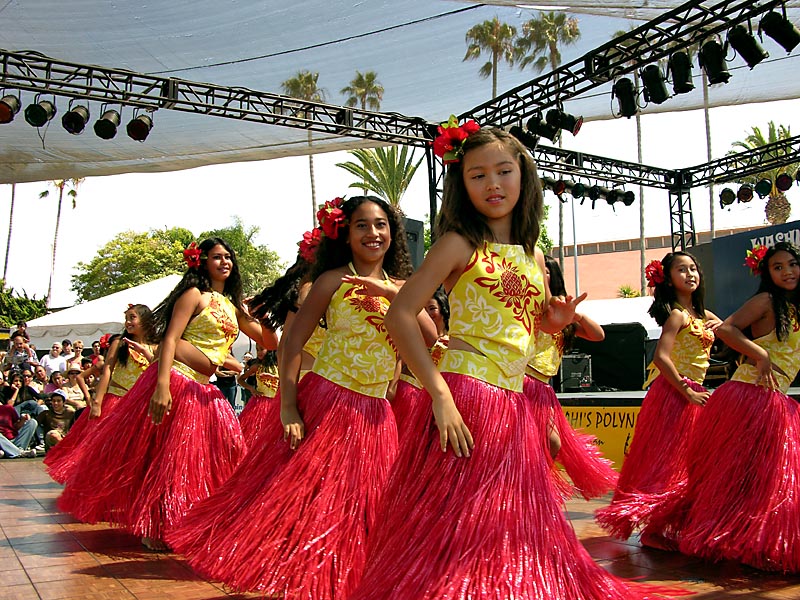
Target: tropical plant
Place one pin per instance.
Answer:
(495, 38)
(304, 87)
(627, 291)
(60, 185)
(384, 171)
(777, 208)
(364, 90)
(15, 308)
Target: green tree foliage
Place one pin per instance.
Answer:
(364, 90)
(496, 39)
(384, 171)
(61, 185)
(15, 308)
(538, 46)
(627, 291)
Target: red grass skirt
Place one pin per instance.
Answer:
(656, 461)
(293, 523)
(488, 526)
(408, 401)
(592, 474)
(742, 499)
(261, 415)
(62, 458)
(145, 477)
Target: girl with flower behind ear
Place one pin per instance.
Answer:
(292, 520)
(659, 453)
(173, 438)
(742, 498)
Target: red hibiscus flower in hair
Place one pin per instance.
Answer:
(331, 217)
(449, 143)
(654, 273)
(753, 259)
(309, 243)
(105, 341)
(192, 255)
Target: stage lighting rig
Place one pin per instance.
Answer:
(558, 118)
(712, 61)
(783, 182)
(680, 69)
(139, 127)
(780, 29)
(745, 193)
(726, 197)
(40, 112)
(541, 128)
(9, 107)
(655, 90)
(75, 119)
(746, 45)
(625, 92)
(106, 126)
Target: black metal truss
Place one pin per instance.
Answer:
(33, 72)
(655, 40)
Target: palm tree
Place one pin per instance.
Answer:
(496, 38)
(364, 90)
(777, 208)
(60, 185)
(304, 87)
(383, 171)
(538, 46)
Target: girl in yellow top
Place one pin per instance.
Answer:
(292, 521)
(173, 438)
(742, 500)
(659, 453)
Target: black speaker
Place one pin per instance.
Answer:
(576, 373)
(618, 362)
(415, 233)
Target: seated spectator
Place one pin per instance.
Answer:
(20, 356)
(56, 421)
(29, 399)
(53, 361)
(77, 350)
(16, 433)
(66, 350)
(75, 396)
(56, 382)
(39, 378)
(22, 328)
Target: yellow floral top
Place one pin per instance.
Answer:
(357, 352)
(690, 352)
(549, 348)
(214, 329)
(266, 382)
(496, 307)
(783, 354)
(314, 343)
(437, 351)
(124, 376)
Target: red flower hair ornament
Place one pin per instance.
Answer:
(331, 217)
(105, 341)
(192, 255)
(309, 244)
(654, 273)
(449, 144)
(753, 259)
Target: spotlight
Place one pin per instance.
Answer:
(780, 29)
(746, 45)
(653, 80)
(74, 120)
(344, 118)
(9, 106)
(596, 192)
(558, 118)
(578, 190)
(613, 196)
(106, 126)
(763, 188)
(783, 182)
(625, 92)
(538, 127)
(726, 197)
(712, 60)
(548, 183)
(528, 140)
(680, 68)
(560, 187)
(139, 128)
(745, 193)
(40, 113)
(628, 198)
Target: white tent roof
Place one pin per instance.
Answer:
(416, 48)
(622, 310)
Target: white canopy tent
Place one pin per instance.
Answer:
(622, 310)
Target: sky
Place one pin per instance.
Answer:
(275, 196)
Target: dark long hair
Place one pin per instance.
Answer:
(460, 216)
(664, 297)
(559, 288)
(334, 253)
(198, 277)
(272, 305)
(444, 305)
(784, 302)
(148, 334)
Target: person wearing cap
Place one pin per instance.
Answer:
(66, 350)
(56, 421)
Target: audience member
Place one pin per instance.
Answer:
(75, 396)
(66, 350)
(56, 382)
(16, 433)
(20, 356)
(53, 361)
(56, 421)
(77, 349)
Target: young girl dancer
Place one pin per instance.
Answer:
(742, 501)
(173, 438)
(590, 473)
(292, 520)
(659, 452)
(482, 520)
(126, 359)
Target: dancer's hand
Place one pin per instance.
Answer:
(698, 398)
(766, 375)
(561, 310)
(293, 428)
(452, 427)
(95, 410)
(160, 404)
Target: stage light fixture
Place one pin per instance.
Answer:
(75, 119)
(558, 118)
(578, 190)
(527, 139)
(40, 112)
(712, 61)
(783, 182)
(763, 188)
(559, 187)
(628, 198)
(625, 92)
(746, 45)
(613, 196)
(548, 183)
(726, 197)
(9, 106)
(655, 90)
(344, 118)
(680, 69)
(106, 126)
(745, 193)
(139, 127)
(780, 29)
(540, 128)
